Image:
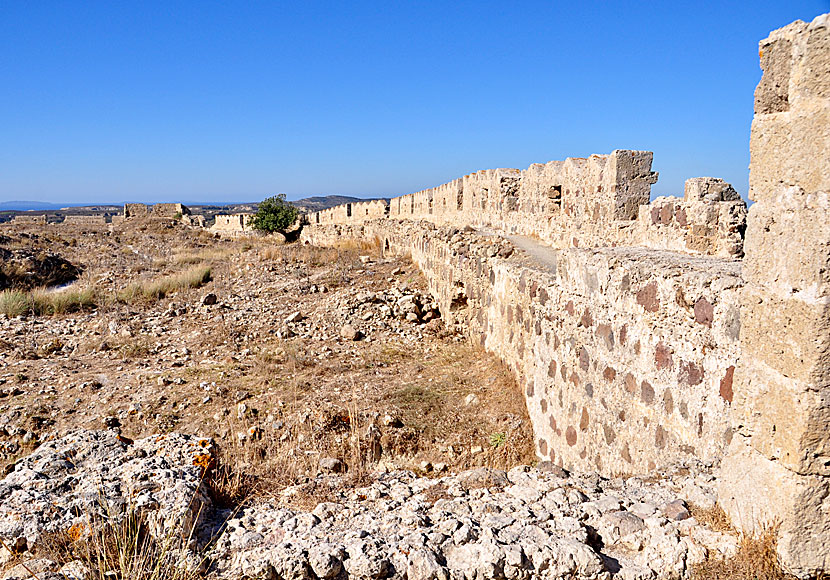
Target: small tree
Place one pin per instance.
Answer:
(274, 214)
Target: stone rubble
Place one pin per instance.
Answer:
(484, 523)
(69, 482)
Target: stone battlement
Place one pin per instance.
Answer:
(601, 201)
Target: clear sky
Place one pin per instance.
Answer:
(234, 101)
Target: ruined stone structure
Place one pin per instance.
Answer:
(778, 465)
(637, 333)
(238, 222)
(626, 354)
(85, 220)
(161, 210)
(352, 212)
(28, 220)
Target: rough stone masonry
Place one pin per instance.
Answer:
(638, 333)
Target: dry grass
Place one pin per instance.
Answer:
(121, 547)
(14, 303)
(205, 255)
(714, 518)
(151, 291)
(756, 559)
(44, 302)
(62, 301)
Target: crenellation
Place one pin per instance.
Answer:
(238, 222)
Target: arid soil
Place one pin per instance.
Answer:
(287, 356)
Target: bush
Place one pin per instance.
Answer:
(274, 215)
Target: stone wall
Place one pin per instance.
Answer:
(777, 470)
(625, 355)
(601, 201)
(85, 220)
(132, 210)
(163, 210)
(620, 319)
(354, 213)
(637, 336)
(29, 220)
(232, 222)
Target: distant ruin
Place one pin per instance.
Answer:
(29, 220)
(163, 210)
(239, 222)
(638, 334)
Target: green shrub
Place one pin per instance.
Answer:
(274, 215)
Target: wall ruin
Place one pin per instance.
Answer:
(27, 220)
(238, 222)
(85, 220)
(621, 325)
(777, 470)
(637, 333)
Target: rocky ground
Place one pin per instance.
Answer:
(483, 523)
(329, 426)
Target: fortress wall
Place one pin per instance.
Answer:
(232, 222)
(136, 210)
(169, 209)
(777, 469)
(29, 220)
(85, 220)
(625, 355)
(640, 338)
(599, 201)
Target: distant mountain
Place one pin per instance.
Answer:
(320, 203)
(28, 205)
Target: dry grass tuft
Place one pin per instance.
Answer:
(44, 302)
(714, 518)
(13, 303)
(62, 301)
(121, 547)
(756, 559)
(157, 289)
(205, 255)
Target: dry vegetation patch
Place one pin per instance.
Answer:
(135, 348)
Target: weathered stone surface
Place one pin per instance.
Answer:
(777, 469)
(67, 482)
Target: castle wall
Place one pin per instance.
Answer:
(601, 201)
(638, 335)
(29, 220)
(232, 222)
(625, 355)
(777, 470)
(85, 220)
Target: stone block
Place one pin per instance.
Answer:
(772, 95)
(710, 189)
(788, 244)
(811, 56)
(790, 149)
(758, 494)
(782, 420)
(788, 334)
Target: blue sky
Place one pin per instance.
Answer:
(221, 101)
